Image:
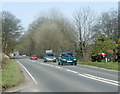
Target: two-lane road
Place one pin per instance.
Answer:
(49, 77)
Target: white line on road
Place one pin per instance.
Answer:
(71, 71)
(103, 79)
(84, 75)
(96, 78)
(58, 67)
(88, 76)
(28, 73)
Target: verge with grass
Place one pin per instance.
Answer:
(11, 74)
(109, 65)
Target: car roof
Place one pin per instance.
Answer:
(33, 55)
(65, 52)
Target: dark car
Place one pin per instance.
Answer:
(50, 57)
(33, 57)
(67, 58)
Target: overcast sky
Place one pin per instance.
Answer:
(28, 11)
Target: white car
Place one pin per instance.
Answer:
(24, 55)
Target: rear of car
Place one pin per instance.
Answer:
(50, 57)
(33, 57)
(67, 58)
(24, 55)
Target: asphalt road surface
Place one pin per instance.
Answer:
(50, 77)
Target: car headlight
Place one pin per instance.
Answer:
(63, 59)
(74, 59)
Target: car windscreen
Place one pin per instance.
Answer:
(33, 55)
(49, 54)
(67, 55)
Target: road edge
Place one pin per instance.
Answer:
(24, 83)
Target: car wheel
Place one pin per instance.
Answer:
(58, 63)
(61, 63)
(75, 64)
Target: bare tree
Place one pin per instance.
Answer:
(84, 21)
(107, 24)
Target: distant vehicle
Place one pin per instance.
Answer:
(50, 57)
(24, 55)
(33, 57)
(49, 51)
(67, 58)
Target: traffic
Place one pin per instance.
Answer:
(64, 58)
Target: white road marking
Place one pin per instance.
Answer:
(45, 64)
(28, 73)
(71, 71)
(84, 75)
(58, 67)
(103, 79)
(96, 78)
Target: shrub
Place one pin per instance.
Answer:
(5, 61)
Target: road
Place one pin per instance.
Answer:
(49, 77)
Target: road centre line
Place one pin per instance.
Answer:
(97, 78)
(103, 79)
(28, 73)
(84, 75)
(59, 67)
(71, 71)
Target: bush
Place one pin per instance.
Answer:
(5, 61)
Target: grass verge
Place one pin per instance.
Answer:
(11, 75)
(109, 65)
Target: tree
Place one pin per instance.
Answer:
(118, 50)
(107, 24)
(49, 31)
(84, 21)
(11, 30)
(103, 44)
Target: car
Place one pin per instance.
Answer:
(67, 58)
(33, 57)
(50, 57)
(24, 55)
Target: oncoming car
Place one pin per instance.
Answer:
(33, 57)
(67, 58)
(50, 57)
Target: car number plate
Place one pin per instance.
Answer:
(69, 61)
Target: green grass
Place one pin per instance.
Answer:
(0, 77)
(40, 59)
(11, 75)
(109, 65)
